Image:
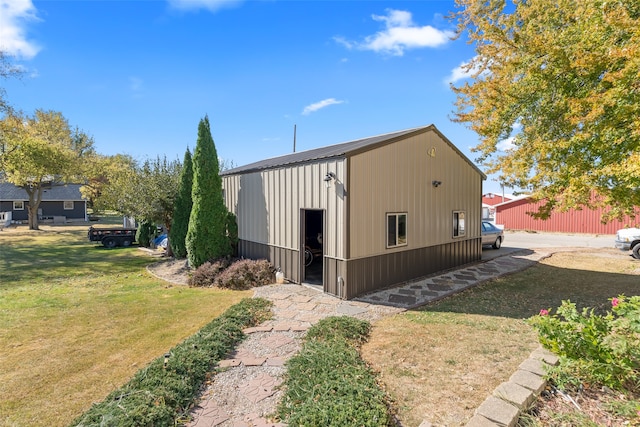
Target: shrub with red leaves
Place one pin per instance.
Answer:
(246, 274)
(206, 274)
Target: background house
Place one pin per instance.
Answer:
(60, 203)
(371, 213)
(514, 215)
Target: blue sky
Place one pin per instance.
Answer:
(139, 75)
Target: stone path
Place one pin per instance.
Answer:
(420, 292)
(245, 391)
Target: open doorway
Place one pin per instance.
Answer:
(313, 259)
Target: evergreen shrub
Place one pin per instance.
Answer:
(328, 384)
(145, 233)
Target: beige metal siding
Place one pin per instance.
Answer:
(398, 178)
(268, 204)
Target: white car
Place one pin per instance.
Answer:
(629, 238)
(491, 235)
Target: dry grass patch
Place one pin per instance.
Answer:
(440, 362)
(78, 320)
(441, 366)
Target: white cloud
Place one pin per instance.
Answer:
(319, 105)
(210, 5)
(14, 15)
(400, 34)
(461, 72)
(464, 71)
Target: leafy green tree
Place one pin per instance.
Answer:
(207, 235)
(157, 183)
(146, 192)
(558, 79)
(41, 151)
(107, 183)
(182, 209)
(102, 173)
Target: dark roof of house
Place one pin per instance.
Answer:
(340, 150)
(9, 191)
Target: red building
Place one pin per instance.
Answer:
(514, 214)
(492, 199)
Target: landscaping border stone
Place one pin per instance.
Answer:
(510, 399)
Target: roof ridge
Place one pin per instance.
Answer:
(324, 152)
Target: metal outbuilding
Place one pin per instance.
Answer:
(359, 216)
(515, 214)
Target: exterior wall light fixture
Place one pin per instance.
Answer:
(330, 176)
(436, 183)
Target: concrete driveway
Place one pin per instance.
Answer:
(519, 240)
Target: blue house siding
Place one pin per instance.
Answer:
(19, 215)
(56, 208)
(52, 204)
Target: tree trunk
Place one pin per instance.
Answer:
(35, 197)
(169, 250)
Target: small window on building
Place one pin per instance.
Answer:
(18, 205)
(459, 229)
(396, 230)
(68, 205)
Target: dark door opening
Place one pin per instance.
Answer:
(313, 229)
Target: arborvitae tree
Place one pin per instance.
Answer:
(207, 234)
(182, 209)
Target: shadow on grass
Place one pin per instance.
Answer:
(55, 255)
(543, 286)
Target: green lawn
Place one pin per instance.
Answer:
(77, 320)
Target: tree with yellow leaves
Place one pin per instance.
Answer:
(40, 151)
(560, 80)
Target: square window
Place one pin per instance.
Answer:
(18, 205)
(458, 224)
(68, 205)
(396, 230)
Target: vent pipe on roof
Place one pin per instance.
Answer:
(294, 138)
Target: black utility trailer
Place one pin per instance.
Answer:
(112, 237)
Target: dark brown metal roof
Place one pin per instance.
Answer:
(339, 150)
(331, 151)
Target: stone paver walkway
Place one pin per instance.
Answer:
(420, 292)
(245, 391)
